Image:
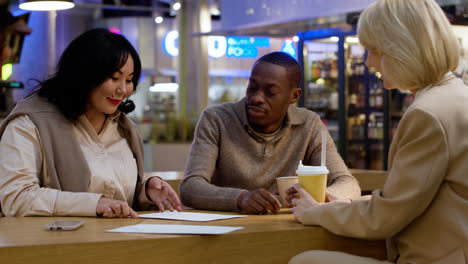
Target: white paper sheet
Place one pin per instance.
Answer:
(187, 216)
(175, 229)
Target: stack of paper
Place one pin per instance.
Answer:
(186, 216)
(181, 229)
(175, 229)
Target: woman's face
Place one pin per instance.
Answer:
(106, 97)
(375, 60)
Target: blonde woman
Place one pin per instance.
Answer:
(422, 209)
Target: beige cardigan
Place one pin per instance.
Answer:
(67, 168)
(423, 206)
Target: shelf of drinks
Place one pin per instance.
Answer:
(372, 110)
(324, 78)
(324, 113)
(356, 78)
(364, 141)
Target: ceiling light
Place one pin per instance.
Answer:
(159, 19)
(295, 38)
(38, 5)
(164, 88)
(215, 11)
(352, 40)
(176, 6)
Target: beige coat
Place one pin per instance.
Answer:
(423, 206)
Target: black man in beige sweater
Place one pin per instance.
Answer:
(241, 148)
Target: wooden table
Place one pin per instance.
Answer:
(369, 180)
(264, 239)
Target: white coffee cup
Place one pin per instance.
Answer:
(285, 183)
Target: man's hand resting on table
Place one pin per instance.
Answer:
(258, 202)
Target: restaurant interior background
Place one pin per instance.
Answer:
(201, 54)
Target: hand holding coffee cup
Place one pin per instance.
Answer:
(292, 195)
(284, 183)
(303, 204)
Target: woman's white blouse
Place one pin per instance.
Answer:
(110, 160)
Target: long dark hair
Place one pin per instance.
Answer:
(86, 63)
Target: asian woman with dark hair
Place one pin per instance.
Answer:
(69, 148)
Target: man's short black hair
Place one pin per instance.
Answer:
(286, 61)
(86, 63)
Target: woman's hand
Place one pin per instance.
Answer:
(292, 193)
(114, 208)
(303, 203)
(162, 194)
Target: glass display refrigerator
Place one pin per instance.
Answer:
(359, 113)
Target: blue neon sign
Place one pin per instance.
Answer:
(218, 46)
(289, 48)
(249, 41)
(245, 47)
(171, 43)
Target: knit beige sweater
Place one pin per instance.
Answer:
(227, 157)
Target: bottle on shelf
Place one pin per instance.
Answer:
(334, 69)
(361, 99)
(372, 94)
(362, 129)
(325, 68)
(378, 95)
(314, 70)
(352, 108)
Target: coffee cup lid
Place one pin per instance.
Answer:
(301, 169)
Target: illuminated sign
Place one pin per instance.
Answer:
(245, 47)
(216, 46)
(115, 30)
(171, 43)
(249, 41)
(288, 48)
(7, 70)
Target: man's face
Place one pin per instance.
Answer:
(268, 97)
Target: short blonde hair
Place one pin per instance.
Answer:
(415, 39)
